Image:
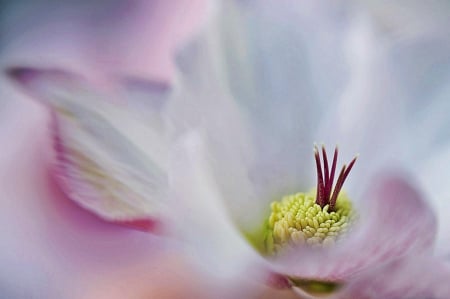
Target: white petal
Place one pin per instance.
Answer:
(433, 174)
(206, 225)
(262, 62)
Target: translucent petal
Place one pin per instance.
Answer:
(212, 237)
(275, 61)
(262, 62)
(108, 160)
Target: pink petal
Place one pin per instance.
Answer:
(51, 248)
(135, 37)
(394, 222)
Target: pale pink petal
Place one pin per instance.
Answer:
(394, 222)
(108, 161)
(410, 278)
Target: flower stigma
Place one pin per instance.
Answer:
(319, 218)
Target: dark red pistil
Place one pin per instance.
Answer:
(325, 193)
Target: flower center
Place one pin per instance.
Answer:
(318, 218)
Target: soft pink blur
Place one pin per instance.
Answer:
(130, 38)
(51, 248)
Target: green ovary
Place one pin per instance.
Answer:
(297, 219)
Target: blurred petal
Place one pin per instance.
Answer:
(409, 19)
(369, 115)
(200, 100)
(108, 161)
(394, 222)
(410, 278)
(433, 173)
(255, 59)
(135, 37)
(206, 225)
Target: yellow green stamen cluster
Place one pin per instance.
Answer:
(298, 219)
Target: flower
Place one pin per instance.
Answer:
(300, 73)
(233, 157)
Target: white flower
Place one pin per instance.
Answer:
(257, 87)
